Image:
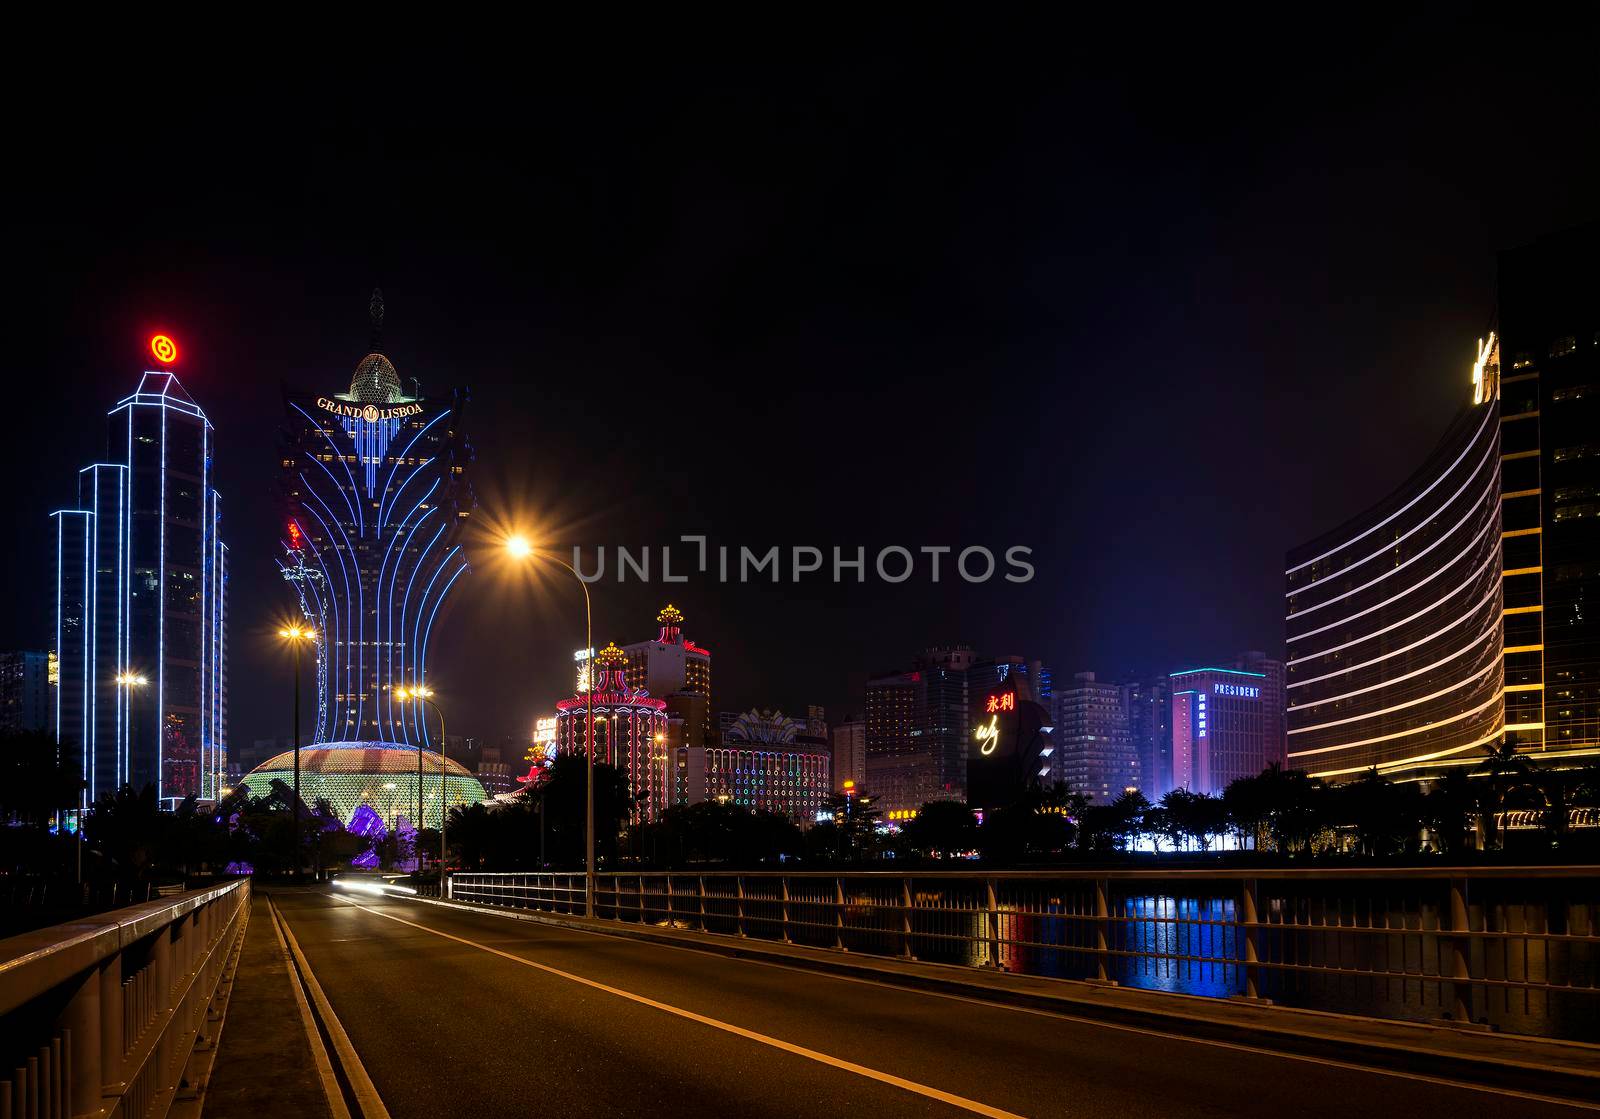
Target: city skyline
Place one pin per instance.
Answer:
(1101, 362)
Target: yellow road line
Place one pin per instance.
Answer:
(319, 1052)
(366, 1093)
(715, 1023)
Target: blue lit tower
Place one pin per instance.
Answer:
(376, 494)
(141, 577)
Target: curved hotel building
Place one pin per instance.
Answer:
(376, 494)
(1397, 630)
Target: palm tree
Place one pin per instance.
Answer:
(1502, 762)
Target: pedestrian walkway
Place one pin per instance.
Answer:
(264, 1058)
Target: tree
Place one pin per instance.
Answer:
(941, 829)
(1503, 764)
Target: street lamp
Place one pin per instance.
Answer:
(424, 694)
(297, 636)
(128, 682)
(521, 548)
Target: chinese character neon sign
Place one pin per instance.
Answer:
(998, 703)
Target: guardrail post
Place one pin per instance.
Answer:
(783, 884)
(905, 917)
(1249, 920)
(739, 884)
(111, 1043)
(1460, 972)
(1102, 928)
(991, 904)
(838, 914)
(80, 1025)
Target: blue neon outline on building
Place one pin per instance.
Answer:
(103, 720)
(372, 583)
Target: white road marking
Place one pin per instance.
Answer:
(1465, 1085)
(728, 1027)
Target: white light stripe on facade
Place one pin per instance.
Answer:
(1496, 698)
(1488, 668)
(1460, 620)
(1492, 523)
(1442, 476)
(1399, 567)
(1416, 528)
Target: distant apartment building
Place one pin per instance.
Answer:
(849, 743)
(24, 692)
(1094, 750)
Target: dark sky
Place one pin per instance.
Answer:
(1158, 307)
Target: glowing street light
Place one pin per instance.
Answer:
(421, 693)
(297, 636)
(519, 547)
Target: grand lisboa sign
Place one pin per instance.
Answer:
(369, 412)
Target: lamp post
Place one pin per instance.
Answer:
(424, 694)
(520, 548)
(297, 636)
(128, 682)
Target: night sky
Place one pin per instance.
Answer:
(1159, 310)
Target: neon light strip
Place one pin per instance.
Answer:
(1413, 588)
(1460, 619)
(1399, 567)
(1496, 698)
(1414, 529)
(1485, 670)
(1488, 413)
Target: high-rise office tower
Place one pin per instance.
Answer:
(1149, 707)
(1550, 462)
(943, 715)
(375, 489)
(1093, 751)
(849, 742)
(140, 620)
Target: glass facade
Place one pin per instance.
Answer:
(1550, 406)
(141, 578)
(376, 493)
(1394, 621)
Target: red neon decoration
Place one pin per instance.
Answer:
(998, 703)
(164, 349)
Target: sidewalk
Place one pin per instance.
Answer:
(263, 1057)
(1537, 1065)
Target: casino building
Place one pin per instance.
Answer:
(1396, 621)
(375, 494)
(140, 583)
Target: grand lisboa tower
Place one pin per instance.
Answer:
(376, 492)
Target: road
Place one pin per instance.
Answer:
(456, 1013)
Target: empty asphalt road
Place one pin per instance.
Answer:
(456, 1013)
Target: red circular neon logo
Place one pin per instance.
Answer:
(164, 349)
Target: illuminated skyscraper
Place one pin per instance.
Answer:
(1396, 623)
(1550, 454)
(141, 577)
(375, 488)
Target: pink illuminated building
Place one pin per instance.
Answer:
(630, 731)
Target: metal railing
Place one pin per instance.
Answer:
(101, 1016)
(1516, 947)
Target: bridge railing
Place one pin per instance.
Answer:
(1518, 947)
(100, 1016)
